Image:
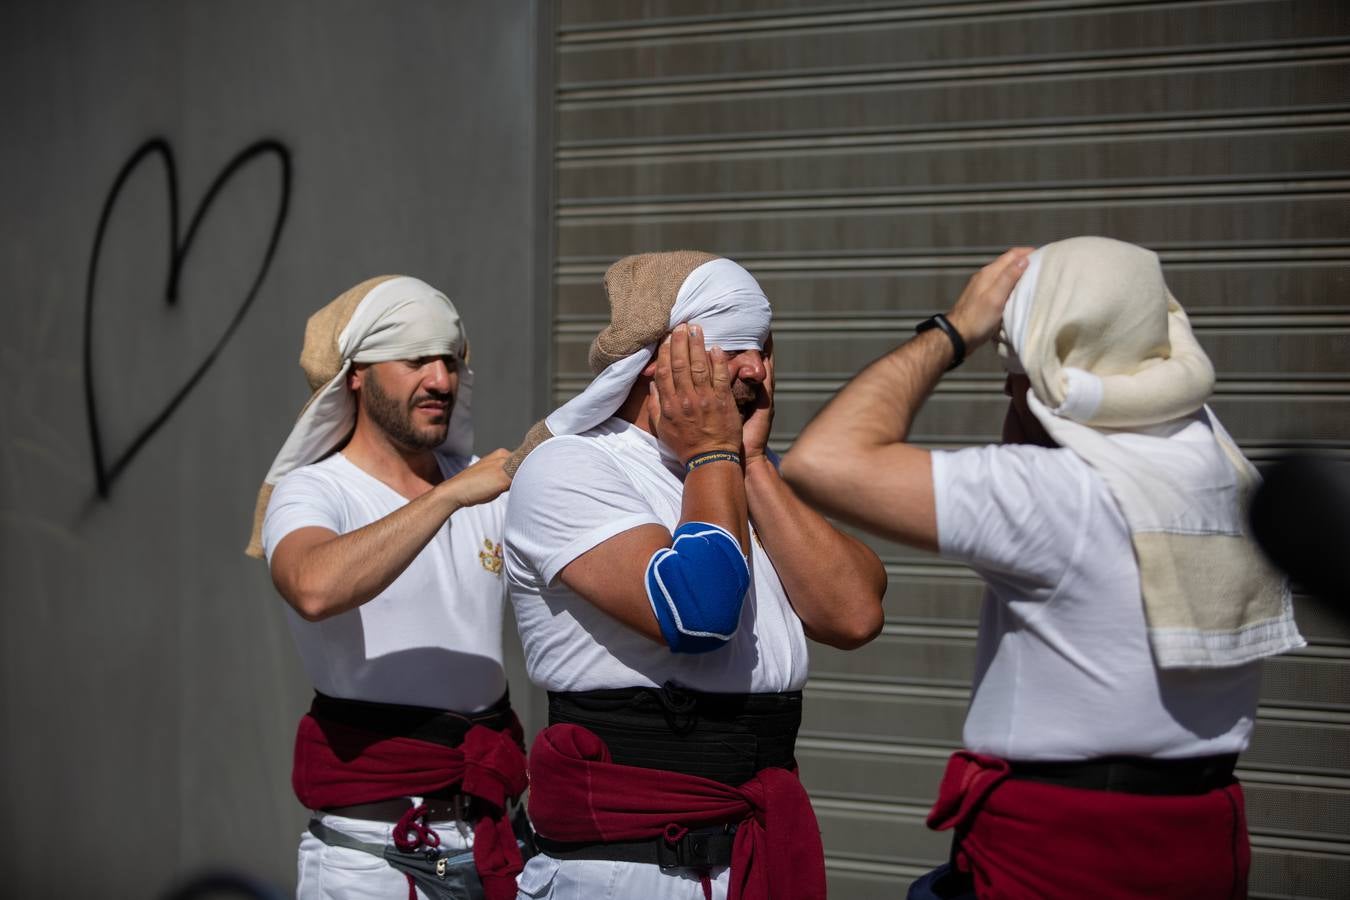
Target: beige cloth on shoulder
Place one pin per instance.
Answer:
(381, 319)
(1118, 378)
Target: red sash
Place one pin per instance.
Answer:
(339, 765)
(1026, 840)
(578, 795)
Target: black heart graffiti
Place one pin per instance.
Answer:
(105, 472)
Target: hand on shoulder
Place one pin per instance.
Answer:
(481, 482)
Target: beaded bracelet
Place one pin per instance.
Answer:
(701, 459)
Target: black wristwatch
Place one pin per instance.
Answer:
(958, 343)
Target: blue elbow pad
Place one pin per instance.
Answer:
(697, 587)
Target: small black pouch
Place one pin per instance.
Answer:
(440, 874)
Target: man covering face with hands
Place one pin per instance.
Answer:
(665, 580)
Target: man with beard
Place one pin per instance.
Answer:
(383, 536)
(665, 580)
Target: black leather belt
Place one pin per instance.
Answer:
(1134, 775)
(701, 848)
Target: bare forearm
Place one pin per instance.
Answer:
(834, 582)
(851, 462)
(333, 576)
(878, 406)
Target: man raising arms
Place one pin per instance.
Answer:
(1126, 610)
(383, 536)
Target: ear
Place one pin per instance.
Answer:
(355, 377)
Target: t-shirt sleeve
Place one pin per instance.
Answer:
(301, 500)
(1009, 510)
(568, 497)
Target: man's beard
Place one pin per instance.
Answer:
(396, 421)
(745, 395)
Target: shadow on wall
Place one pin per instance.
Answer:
(224, 886)
(105, 471)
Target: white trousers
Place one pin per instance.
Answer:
(546, 878)
(337, 873)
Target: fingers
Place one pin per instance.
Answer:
(679, 360)
(663, 379)
(699, 372)
(1006, 270)
(653, 402)
(1010, 256)
(978, 312)
(1006, 279)
(721, 372)
(768, 363)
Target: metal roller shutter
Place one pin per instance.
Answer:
(861, 159)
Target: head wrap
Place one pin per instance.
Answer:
(382, 319)
(1118, 378)
(649, 294)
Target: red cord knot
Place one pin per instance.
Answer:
(412, 833)
(674, 833)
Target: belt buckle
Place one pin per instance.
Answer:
(668, 854)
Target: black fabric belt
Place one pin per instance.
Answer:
(722, 737)
(424, 723)
(700, 848)
(1134, 775)
(436, 726)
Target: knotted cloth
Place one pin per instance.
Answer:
(1024, 840)
(341, 765)
(381, 319)
(579, 795)
(649, 294)
(1118, 378)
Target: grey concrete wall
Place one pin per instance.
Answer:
(149, 688)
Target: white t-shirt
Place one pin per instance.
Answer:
(1064, 670)
(574, 492)
(434, 636)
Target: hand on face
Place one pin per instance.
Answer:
(690, 406)
(759, 422)
(978, 312)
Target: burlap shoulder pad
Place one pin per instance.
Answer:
(537, 434)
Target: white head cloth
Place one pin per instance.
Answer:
(398, 318)
(402, 318)
(720, 297)
(1118, 378)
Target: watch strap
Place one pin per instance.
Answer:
(958, 343)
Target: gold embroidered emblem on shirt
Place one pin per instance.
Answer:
(491, 556)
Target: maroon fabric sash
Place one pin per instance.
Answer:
(340, 765)
(577, 794)
(1026, 840)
